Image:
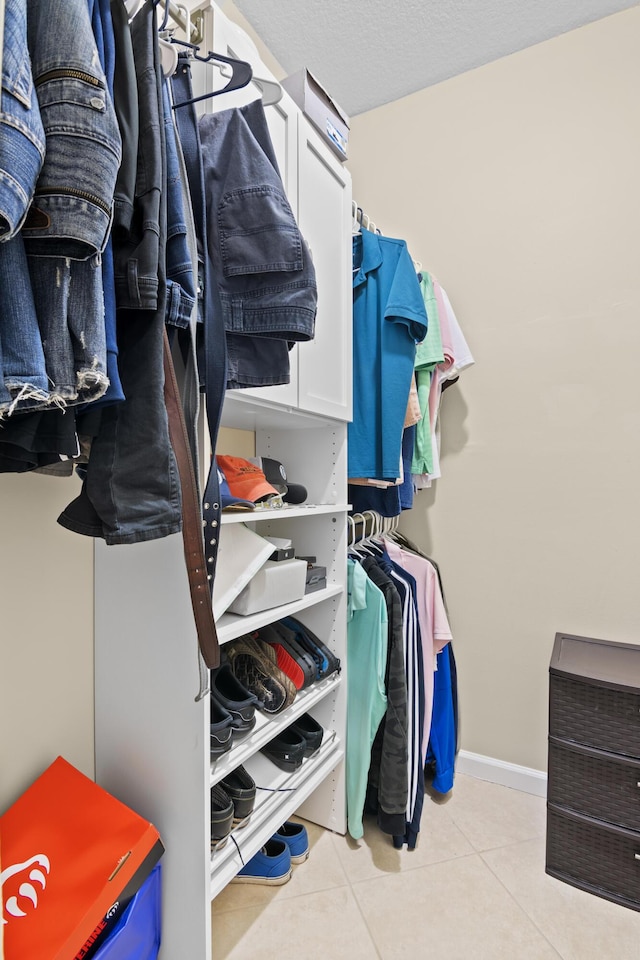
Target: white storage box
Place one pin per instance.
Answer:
(241, 554)
(277, 582)
(327, 117)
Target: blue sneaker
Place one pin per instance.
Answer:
(271, 865)
(296, 837)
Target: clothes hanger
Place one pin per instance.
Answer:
(240, 77)
(371, 543)
(378, 538)
(352, 531)
(165, 19)
(270, 90)
(168, 52)
(355, 223)
(359, 547)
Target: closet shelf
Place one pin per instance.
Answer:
(266, 728)
(242, 411)
(232, 625)
(285, 513)
(272, 808)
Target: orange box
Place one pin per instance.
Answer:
(71, 856)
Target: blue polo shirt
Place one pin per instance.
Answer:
(389, 318)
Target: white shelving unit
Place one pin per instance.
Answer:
(152, 727)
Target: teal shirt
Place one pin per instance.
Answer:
(389, 318)
(367, 633)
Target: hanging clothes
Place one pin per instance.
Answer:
(434, 624)
(367, 633)
(395, 756)
(432, 379)
(131, 492)
(441, 748)
(263, 271)
(388, 778)
(389, 318)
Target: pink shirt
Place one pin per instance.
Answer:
(432, 617)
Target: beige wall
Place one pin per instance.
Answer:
(518, 185)
(46, 634)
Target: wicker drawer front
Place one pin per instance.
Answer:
(603, 787)
(596, 716)
(594, 857)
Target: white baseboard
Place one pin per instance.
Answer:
(511, 775)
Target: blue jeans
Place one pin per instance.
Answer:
(22, 142)
(23, 377)
(68, 223)
(23, 384)
(181, 293)
(261, 264)
(71, 213)
(103, 31)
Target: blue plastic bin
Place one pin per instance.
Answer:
(136, 935)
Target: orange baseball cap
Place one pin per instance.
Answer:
(245, 479)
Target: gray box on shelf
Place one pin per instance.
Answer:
(316, 578)
(276, 583)
(324, 113)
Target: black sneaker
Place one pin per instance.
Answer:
(230, 694)
(220, 730)
(221, 817)
(311, 731)
(241, 788)
(286, 750)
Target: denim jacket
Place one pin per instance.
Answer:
(21, 132)
(74, 194)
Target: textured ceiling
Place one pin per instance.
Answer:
(369, 52)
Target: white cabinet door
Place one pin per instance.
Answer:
(324, 215)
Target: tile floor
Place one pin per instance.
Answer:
(474, 889)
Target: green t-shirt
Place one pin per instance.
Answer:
(429, 354)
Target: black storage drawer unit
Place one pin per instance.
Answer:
(593, 793)
(598, 784)
(596, 716)
(599, 858)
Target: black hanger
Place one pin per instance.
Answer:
(165, 19)
(241, 73)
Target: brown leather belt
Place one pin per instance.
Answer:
(192, 535)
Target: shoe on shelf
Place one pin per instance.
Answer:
(221, 817)
(271, 865)
(240, 787)
(230, 694)
(258, 670)
(311, 731)
(296, 838)
(286, 749)
(270, 639)
(220, 730)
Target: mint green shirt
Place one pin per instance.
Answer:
(429, 354)
(367, 638)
